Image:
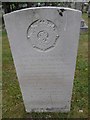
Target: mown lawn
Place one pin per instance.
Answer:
(0, 67)
(0, 74)
(13, 106)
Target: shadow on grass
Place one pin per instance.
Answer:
(49, 115)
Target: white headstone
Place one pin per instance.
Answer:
(44, 44)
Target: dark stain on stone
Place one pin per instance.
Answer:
(60, 11)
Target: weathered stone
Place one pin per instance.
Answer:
(44, 44)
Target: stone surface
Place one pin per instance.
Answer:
(44, 43)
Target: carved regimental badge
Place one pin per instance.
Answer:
(43, 34)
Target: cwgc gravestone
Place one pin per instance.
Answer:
(44, 44)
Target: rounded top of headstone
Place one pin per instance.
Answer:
(45, 7)
(44, 26)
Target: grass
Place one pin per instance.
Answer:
(13, 106)
(0, 67)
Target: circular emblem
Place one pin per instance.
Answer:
(43, 34)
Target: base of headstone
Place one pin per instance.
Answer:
(48, 110)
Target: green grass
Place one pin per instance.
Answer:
(0, 67)
(84, 16)
(13, 106)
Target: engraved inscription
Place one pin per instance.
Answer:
(43, 34)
